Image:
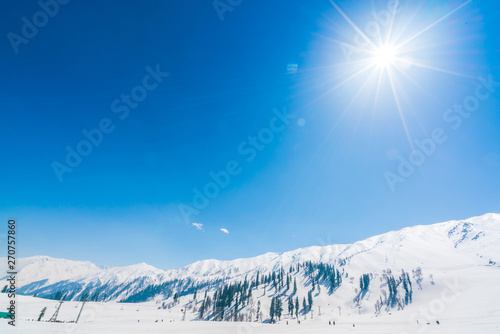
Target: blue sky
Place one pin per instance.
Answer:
(316, 177)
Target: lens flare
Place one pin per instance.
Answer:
(386, 53)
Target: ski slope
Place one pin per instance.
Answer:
(454, 268)
(123, 318)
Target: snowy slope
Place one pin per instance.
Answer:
(100, 318)
(443, 251)
(476, 238)
(50, 270)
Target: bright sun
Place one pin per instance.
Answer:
(383, 51)
(384, 56)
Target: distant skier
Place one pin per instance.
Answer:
(437, 322)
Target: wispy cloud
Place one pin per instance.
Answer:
(224, 230)
(198, 226)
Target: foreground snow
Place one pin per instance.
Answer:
(230, 328)
(454, 269)
(474, 310)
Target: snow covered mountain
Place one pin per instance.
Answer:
(423, 261)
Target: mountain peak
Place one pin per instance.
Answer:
(469, 242)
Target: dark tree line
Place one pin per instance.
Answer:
(276, 308)
(323, 273)
(364, 282)
(393, 284)
(227, 301)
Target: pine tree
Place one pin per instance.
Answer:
(208, 302)
(272, 311)
(364, 282)
(407, 287)
(304, 305)
(202, 310)
(310, 299)
(236, 310)
(290, 306)
(42, 314)
(258, 310)
(278, 307)
(297, 305)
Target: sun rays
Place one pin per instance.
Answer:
(383, 52)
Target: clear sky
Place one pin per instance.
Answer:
(180, 92)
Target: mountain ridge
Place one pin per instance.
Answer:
(439, 247)
(210, 262)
